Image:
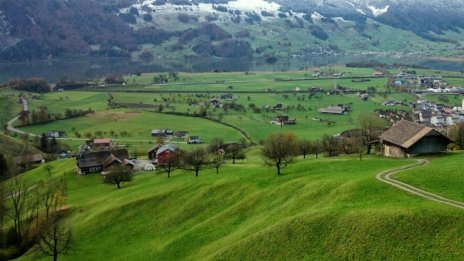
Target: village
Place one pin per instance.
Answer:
(186, 142)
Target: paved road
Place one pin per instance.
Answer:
(388, 177)
(10, 127)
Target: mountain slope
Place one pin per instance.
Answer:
(229, 29)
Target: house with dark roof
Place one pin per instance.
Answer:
(29, 159)
(338, 110)
(97, 161)
(406, 139)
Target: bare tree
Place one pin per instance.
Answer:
(195, 160)
(280, 149)
(17, 193)
(371, 127)
(47, 194)
(55, 237)
(118, 174)
(171, 162)
(234, 151)
(4, 172)
(305, 147)
(331, 145)
(215, 145)
(316, 148)
(456, 133)
(3, 213)
(218, 160)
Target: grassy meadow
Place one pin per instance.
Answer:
(319, 209)
(192, 89)
(9, 108)
(442, 176)
(137, 124)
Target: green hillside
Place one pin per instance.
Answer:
(15, 147)
(324, 209)
(443, 176)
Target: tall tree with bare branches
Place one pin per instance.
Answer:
(55, 237)
(280, 149)
(17, 193)
(3, 212)
(195, 160)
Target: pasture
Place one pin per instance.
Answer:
(319, 209)
(442, 176)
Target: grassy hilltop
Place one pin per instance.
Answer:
(320, 209)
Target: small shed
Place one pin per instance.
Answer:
(406, 139)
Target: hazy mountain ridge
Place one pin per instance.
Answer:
(40, 29)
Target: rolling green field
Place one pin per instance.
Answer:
(138, 125)
(319, 209)
(180, 96)
(58, 102)
(442, 176)
(141, 98)
(9, 108)
(15, 147)
(324, 209)
(257, 125)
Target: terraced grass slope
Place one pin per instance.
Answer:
(325, 209)
(14, 147)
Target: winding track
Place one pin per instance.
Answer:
(388, 177)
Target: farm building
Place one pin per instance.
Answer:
(102, 143)
(29, 159)
(97, 161)
(161, 133)
(339, 110)
(160, 153)
(283, 120)
(406, 139)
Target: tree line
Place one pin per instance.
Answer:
(278, 150)
(44, 116)
(31, 217)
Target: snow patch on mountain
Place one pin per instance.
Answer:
(317, 16)
(253, 5)
(378, 11)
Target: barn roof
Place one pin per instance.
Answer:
(405, 134)
(168, 147)
(101, 141)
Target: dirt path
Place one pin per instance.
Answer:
(388, 177)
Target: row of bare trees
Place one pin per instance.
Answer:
(34, 214)
(278, 150)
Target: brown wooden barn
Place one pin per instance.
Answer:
(406, 139)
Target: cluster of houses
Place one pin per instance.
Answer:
(101, 155)
(163, 133)
(218, 101)
(393, 115)
(425, 84)
(438, 115)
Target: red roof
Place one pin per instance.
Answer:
(101, 141)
